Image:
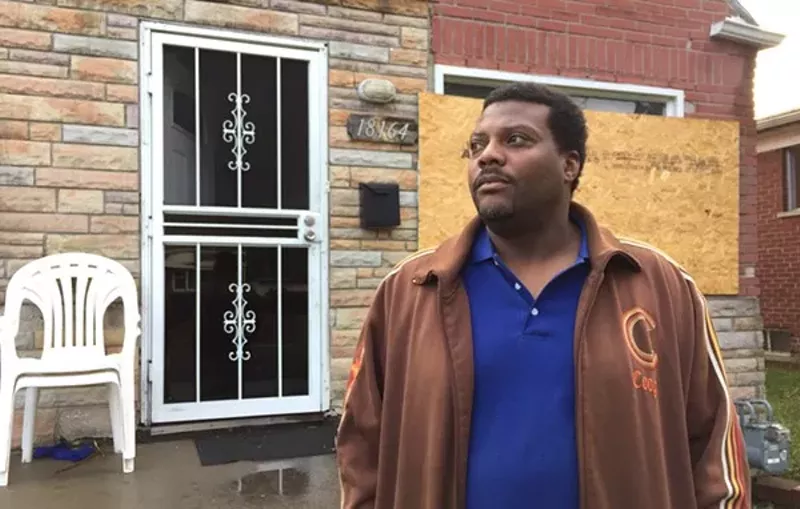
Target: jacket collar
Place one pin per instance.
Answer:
(447, 260)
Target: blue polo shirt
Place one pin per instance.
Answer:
(522, 449)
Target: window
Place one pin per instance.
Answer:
(791, 158)
(589, 94)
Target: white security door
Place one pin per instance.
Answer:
(237, 231)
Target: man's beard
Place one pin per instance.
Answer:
(495, 212)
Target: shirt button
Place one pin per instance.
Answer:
(517, 286)
(534, 312)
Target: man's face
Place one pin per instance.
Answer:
(515, 166)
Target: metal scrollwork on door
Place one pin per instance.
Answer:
(238, 132)
(239, 322)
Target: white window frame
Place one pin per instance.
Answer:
(674, 98)
(791, 204)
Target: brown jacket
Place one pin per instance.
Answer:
(656, 428)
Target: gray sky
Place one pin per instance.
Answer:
(777, 87)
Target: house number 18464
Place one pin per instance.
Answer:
(382, 129)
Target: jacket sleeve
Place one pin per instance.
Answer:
(720, 468)
(357, 439)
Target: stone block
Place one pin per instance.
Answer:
(170, 9)
(723, 324)
(103, 69)
(746, 392)
(744, 323)
(132, 115)
(403, 234)
(348, 24)
(298, 7)
(13, 38)
(84, 422)
(114, 208)
(130, 209)
(351, 157)
(232, 16)
(114, 224)
(45, 131)
(112, 246)
(404, 71)
(13, 130)
(101, 135)
(355, 258)
(122, 197)
(122, 93)
(24, 153)
(350, 318)
(747, 378)
(27, 199)
(344, 244)
(405, 56)
(753, 353)
(342, 278)
(130, 34)
(95, 46)
(740, 339)
(733, 306)
(51, 109)
(16, 176)
(122, 20)
(351, 298)
(406, 21)
(359, 52)
(40, 57)
(95, 157)
(7, 251)
(50, 87)
(87, 179)
(370, 282)
(80, 201)
(384, 245)
(354, 14)
(414, 38)
(344, 197)
(44, 430)
(332, 34)
(57, 223)
(392, 258)
(741, 365)
(344, 338)
(408, 198)
(67, 396)
(50, 19)
(353, 233)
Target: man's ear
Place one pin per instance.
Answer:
(572, 166)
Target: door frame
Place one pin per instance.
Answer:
(147, 205)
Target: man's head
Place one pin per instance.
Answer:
(526, 153)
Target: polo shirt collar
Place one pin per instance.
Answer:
(483, 249)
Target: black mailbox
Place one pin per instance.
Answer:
(380, 204)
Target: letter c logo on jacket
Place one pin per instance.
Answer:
(639, 327)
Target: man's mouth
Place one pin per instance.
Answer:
(491, 184)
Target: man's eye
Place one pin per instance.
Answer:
(516, 139)
(476, 146)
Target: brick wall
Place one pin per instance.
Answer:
(778, 248)
(69, 160)
(628, 41)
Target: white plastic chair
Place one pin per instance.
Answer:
(73, 292)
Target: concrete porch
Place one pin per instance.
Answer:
(169, 474)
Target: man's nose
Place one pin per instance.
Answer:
(492, 154)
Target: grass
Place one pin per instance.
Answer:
(783, 393)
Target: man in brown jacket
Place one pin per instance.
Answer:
(535, 360)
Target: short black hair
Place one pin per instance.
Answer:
(566, 120)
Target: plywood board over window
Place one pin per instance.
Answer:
(670, 182)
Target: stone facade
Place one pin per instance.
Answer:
(69, 145)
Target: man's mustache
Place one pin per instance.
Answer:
(488, 175)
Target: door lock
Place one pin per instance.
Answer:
(310, 235)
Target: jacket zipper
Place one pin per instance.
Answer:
(596, 282)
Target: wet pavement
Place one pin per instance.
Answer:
(169, 475)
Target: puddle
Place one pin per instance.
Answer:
(284, 482)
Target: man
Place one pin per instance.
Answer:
(535, 360)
